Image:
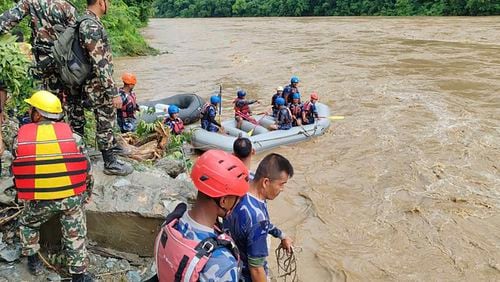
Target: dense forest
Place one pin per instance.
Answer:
(123, 21)
(251, 8)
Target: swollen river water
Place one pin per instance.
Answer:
(407, 187)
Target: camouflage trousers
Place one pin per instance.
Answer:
(74, 228)
(105, 116)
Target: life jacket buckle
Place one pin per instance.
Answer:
(208, 246)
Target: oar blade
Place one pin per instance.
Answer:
(336, 117)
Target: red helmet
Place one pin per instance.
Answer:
(129, 78)
(217, 173)
(314, 96)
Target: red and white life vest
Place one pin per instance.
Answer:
(181, 259)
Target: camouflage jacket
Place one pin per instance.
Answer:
(45, 16)
(94, 40)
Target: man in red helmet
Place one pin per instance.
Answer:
(190, 246)
(126, 114)
(309, 110)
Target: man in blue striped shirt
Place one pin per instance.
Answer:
(249, 223)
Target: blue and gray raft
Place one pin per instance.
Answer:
(262, 138)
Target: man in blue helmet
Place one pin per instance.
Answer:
(296, 109)
(284, 117)
(174, 121)
(290, 89)
(208, 113)
(242, 109)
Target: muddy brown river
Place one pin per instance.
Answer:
(407, 187)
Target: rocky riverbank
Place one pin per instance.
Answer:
(123, 219)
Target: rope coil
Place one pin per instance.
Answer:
(287, 264)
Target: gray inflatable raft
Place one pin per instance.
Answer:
(262, 138)
(189, 104)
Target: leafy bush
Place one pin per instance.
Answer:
(15, 73)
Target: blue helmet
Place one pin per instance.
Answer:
(296, 95)
(215, 99)
(294, 79)
(173, 109)
(280, 101)
(241, 93)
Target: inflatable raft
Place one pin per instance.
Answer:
(189, 104)
(262, 138)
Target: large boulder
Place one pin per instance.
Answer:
(126, 211)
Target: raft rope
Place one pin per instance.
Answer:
(287, 264)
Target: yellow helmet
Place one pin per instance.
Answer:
(46, 103)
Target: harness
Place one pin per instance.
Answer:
(48, 163)
(285, 115)
(308, 109)
(130, 104)
(176, 125)
(205, 110)
(296, 109)
(181, 259)
(241, 106)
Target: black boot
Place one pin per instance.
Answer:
(82, 277)
(35, 265)
(113, 166)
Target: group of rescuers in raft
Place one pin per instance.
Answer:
(287, 109)
(223, 237)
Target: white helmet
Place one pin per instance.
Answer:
(279, 88)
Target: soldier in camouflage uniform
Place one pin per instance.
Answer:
(99, 88)
(42, 183)
(47, 17)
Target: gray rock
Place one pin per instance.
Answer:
(126, 211)
(53, 277)
(110, 263)
(123, 182)
(172, 167)
(10, 253)
(133, 276)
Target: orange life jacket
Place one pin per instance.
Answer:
(48, 163)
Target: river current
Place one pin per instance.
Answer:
(407, 186)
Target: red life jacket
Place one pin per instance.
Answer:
(48, 163)
(296, 110)
(241, 106)
(130, 105)
(181, 259)
(176, 125)
(204, 110)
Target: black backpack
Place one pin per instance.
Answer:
(71, 59)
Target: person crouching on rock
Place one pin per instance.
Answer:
(52, 177)
(173, 121)
(242, 109)
(191, 245)
(208, 114)
(284, 117)
(126, 115)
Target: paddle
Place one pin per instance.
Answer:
(220, 102)
(334, 117)
(258, 122)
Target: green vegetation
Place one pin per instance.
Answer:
(15, 73)
(246, 8)
(122, 23)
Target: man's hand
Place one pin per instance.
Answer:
(286, 244)
(117, 102)
(2, 147)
